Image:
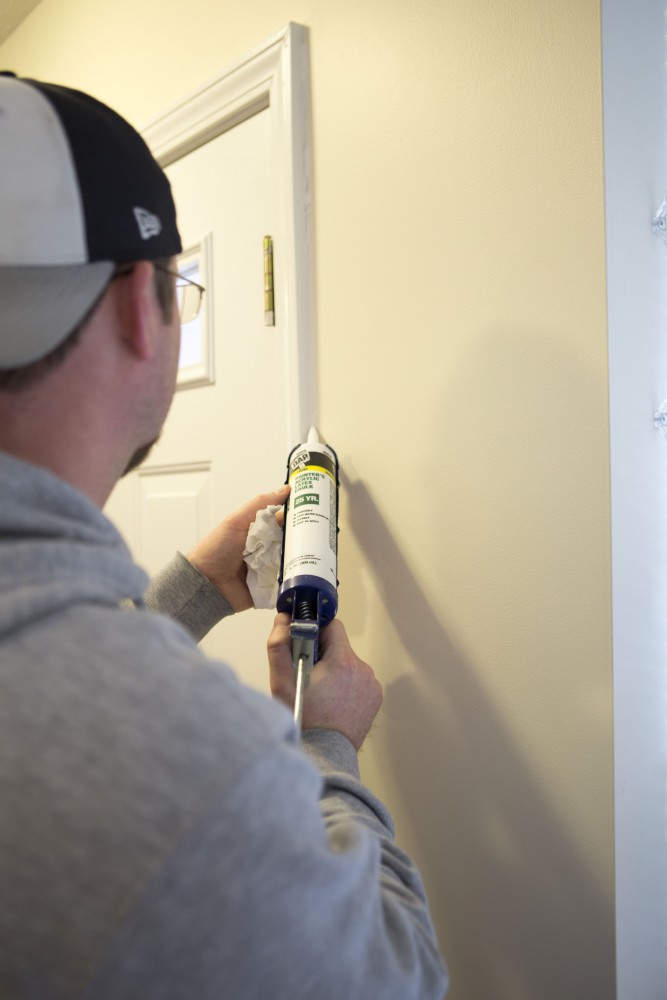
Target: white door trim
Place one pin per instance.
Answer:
(274, 75)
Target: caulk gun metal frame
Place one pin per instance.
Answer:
(308, 591)
(304, 635)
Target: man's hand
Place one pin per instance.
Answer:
(219, 556)
(344, 693)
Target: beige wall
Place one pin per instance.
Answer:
(463, 381)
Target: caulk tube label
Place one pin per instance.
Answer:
(310, 524)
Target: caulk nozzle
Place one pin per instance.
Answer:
(313, 436)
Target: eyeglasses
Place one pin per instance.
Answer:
(188, 295)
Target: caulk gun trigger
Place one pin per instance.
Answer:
(304, 635)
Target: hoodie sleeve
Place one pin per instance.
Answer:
(182, 592)
(310, 901)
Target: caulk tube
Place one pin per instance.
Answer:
(308, 573)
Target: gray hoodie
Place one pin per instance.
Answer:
(162, 835)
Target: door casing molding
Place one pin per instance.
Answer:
(275, 75)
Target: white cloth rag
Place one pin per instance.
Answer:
(262, 557)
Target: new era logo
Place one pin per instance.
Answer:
(149, 224)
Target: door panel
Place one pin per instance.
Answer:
(224, 441)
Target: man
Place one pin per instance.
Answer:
(163, 834)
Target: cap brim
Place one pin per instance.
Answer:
(41, 306)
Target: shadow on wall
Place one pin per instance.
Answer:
(517, 910)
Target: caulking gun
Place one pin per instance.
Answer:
(308, 567)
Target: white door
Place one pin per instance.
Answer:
(225, 438)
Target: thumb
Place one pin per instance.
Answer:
(246, 514)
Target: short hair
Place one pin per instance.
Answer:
(16, 379)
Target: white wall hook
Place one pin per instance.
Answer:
(660, 418)
(659, 222)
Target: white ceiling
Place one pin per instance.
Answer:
(12, 12)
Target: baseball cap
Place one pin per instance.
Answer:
(79, 192)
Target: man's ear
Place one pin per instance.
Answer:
(140, 310)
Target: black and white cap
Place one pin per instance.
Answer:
(79, 192)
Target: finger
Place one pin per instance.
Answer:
(246, 514)
(270, 499)
(279, 644)
(281, 670)
(282, 620)
(334, 636)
